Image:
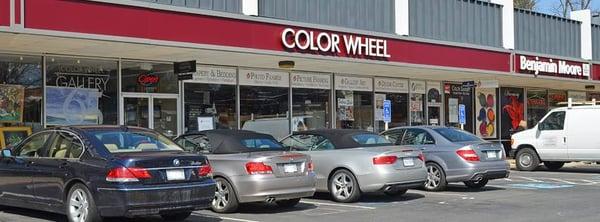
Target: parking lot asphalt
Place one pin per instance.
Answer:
(570, 194)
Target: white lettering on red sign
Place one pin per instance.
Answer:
(550, 66)
(330, 43)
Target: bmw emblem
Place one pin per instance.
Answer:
(176, 162)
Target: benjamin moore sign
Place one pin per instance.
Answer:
(553, 67)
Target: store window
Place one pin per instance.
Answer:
(512, 111)
(417, 103)
(210, 99)
(311, 101)
(537, 106)
(81, 91)
(434, 103)
(456, 95)
(395, 90)
(264, 102)
(148, 77)
(21, 91)
(555, 98)
(486, 113)
(354, 103)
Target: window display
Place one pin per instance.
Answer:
(395, 90)
(417, 103)
(555, 97)
(21, 95)
(512, 111)
(537, 106)
(354, 102)
(81, 91)
(148, 77)
(434, 102)
(486, 113)
(456, 94)
(311, 101)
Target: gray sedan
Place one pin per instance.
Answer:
(453, 155)
(350, 162)
(252, 167)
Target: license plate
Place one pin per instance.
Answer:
(408, 162)
(290, 168)
(491, 155)
(175, 175)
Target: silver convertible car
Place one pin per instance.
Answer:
(453, 155)
(350, 162)
(252, 167)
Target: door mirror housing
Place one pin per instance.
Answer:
(7, 153)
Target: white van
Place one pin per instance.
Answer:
(565, 134)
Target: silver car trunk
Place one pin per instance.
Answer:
(486, 151)
(405, 155)
(284, 164)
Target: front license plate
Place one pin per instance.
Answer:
(491, 155)
(408, 162)
(175, 175)
(290, 168)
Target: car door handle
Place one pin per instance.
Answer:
(63, 165)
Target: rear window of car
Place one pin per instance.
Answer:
(134, 141)
(258, 144)
(371, 139)
(456, 135)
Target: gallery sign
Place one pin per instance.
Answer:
(334, 43)
(552, 67)
(353, 83)
(215, 75)
(391, 85)
(264, 78)
(311, 81)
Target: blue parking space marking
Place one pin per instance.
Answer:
(541, 186)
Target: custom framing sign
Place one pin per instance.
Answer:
(264, 78)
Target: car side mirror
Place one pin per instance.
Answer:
(7, 153)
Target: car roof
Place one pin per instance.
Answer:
(227, 141)
(341, 138)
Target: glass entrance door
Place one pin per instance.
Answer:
(158, 112)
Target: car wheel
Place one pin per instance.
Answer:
(436, 178)
(554, 165)
(225, 200)
(395, 192)
(288, 203)
(180, 216)
(344, 187)
(476, 184)
(81, 206)
(527, 159)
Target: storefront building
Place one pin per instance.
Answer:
(70, 62)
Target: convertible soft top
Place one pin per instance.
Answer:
(341, 138)
(226, 141)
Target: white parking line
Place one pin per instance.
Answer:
(531, 179)
(337, 205)
(224, 218)
(562, 181)
(589, 182)
(437, 193)
(507, 179)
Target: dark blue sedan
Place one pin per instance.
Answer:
(90, 172)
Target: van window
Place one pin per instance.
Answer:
(554, 121)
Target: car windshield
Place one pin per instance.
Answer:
(371, 139)
(261, 144)
(456, 135)
(133, 141)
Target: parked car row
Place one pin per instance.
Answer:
(91, 172)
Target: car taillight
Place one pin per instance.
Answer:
(311, 167)
(204, 170)
(381, 160)
(421, 157)
(468, 154)
(124, 174)
(258, 168)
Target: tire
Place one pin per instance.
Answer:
(436, 178)
(476, 184)
(554, 165)
(288, 203)
(225, 200)
(395, 192)
(180, 216)
(527, 159)
(343, 187)
(81, 204)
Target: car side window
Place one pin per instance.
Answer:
(308, 142)
(66, 145)
(34, 146)
(554, 121)
(394, 136)
(195, 143)
(325, 144)
(417, 137)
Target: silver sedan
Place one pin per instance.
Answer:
(453, 155)
(350, 162)
(252, 167)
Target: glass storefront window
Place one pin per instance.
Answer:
(265, 109)
(456, 94)
(399, 103)
(21, 91)
(417, 110)
(81, 91)
(354, 110)
(537, 106)
(555, 97)
(148, 77)
(216, 101)
(311, 109)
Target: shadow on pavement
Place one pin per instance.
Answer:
(375, 197)
(41, 215)
(264, 208)
(464, 189)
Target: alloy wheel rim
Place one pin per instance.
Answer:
(525, 160)
(78, 206)
(221, 199)
(343, 186)
(433, 177)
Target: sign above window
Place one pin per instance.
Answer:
(353, 83)
(551, 67)
(311, 81)
(264, 78)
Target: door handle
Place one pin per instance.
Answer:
(565, 139)
(423, 149)
(63, 165)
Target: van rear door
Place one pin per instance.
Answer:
(551, 137)
(583, 141)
